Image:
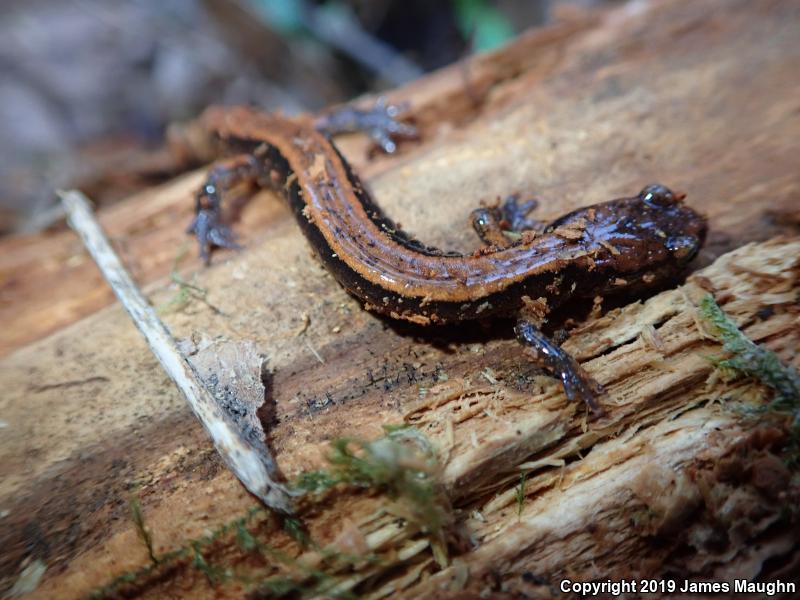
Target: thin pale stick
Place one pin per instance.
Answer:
(252, 468)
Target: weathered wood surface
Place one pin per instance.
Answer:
(48, 282)
(698, 95)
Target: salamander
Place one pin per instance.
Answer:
(528, 269)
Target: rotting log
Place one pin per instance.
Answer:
(700, 96)
(676, 480)
(680, 483)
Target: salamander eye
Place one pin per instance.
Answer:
(658, 195)
(683, 247)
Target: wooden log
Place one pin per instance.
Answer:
(661, 473)
(655, 484)
(700, 96)
(39, 296)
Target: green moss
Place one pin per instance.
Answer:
(315, 481)
(748, 359)
(192, 551)
(199, 562)
(142, 531)
(296, 530)
(244, 539)
(186, 291)
(402, 465)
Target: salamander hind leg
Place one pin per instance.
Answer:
(578, 384)
(503, 224)
(208, 225)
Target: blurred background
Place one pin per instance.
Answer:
(88, 87)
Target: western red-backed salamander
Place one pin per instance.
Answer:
(625, 245)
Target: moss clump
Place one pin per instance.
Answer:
(403, 465)
(746, 358)
(141, 530)
(749, 359)
(191, 553)
(186, 291)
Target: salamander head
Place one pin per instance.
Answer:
(683, 230)
(640, 242)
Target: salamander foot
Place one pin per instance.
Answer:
(207, 225)
(210, 233)
(496, 225)
(380, 123)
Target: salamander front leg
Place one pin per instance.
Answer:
(501, 225)
(208, 225)
(380, 123)
(578, 384)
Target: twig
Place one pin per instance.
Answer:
(252, 468)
